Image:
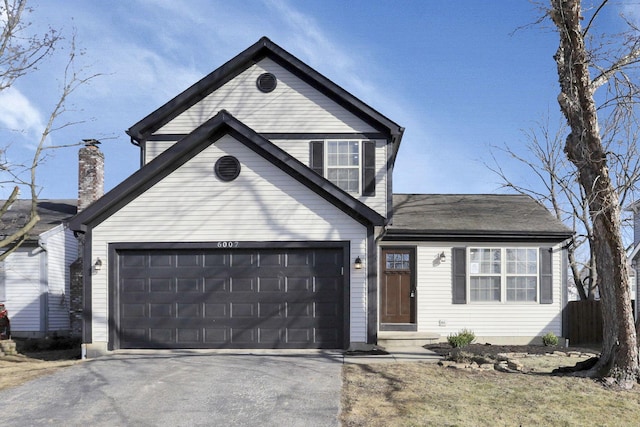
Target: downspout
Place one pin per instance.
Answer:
(139, 145)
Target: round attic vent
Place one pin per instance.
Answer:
(266, 82)
(227, 168)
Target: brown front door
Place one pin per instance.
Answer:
(398, 293)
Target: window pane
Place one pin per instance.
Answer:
(397, 261)
(522, 261)
(343, 164)
(485, 289)
(521, 288)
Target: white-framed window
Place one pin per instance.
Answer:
(350, 164)
(343, 164)
(503, 274)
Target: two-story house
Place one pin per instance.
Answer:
(263, 216)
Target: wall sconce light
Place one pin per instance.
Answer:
(442, 257)
(97, 265)
(357, 264)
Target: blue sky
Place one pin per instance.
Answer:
(456, 74)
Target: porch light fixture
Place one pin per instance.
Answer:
(357, 264)
(97, 265)
(442, 257)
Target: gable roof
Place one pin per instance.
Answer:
(263, 48)
(52, 213)
(473, 217)
(208, 133)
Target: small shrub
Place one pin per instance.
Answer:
(550, 339)
(461, 339)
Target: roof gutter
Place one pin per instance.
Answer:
(415, 235)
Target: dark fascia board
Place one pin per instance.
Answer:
(261, 49)
(480, 236)
(212, 130)
(288, 135)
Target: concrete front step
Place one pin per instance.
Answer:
(406, 339)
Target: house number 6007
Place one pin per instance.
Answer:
(228, 244)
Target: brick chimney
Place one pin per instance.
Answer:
(90, 173)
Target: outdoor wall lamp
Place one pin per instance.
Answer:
(442, 257)
(98, 264)
(357, 264)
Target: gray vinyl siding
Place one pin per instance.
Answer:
(437, 313)
(154, 148)
(378, 202)
(294, 106)
(300, 150)
(262, 204)
(62, 251)
(23, 289)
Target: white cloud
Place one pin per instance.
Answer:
(306, 36)
(19, 115)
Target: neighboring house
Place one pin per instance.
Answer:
(263, 217)
(34, 280)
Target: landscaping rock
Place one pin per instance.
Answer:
(514, 365)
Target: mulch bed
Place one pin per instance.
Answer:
(444, 349)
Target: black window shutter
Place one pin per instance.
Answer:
(546, 277)
(316, 157)
(459, 282)
(369, 169)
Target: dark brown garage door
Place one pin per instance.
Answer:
(240, 298)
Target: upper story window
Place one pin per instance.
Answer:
(503, 274)
(349, 164)
(343, 164)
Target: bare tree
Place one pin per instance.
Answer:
(585, 149)
(21, 54)
(556, 186)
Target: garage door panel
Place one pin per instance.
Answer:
(271, 310)
(159, 335)
(161, 311)
(188, 311)
(271, 260)
(189, 335)
(242, 284)
(298, 259)
(266, 298)
(215, 284)
(299, 284)
(244, 336)
(135, 311)
(270, 284)
(240, 260)
(158, 260)
(186, 285)
(188, 260)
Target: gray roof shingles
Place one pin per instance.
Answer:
(52, 212)
(473, 214)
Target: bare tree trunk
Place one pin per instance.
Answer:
(584, 148)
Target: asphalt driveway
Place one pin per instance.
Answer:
(183, 388)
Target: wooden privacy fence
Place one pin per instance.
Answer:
(585, 322)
